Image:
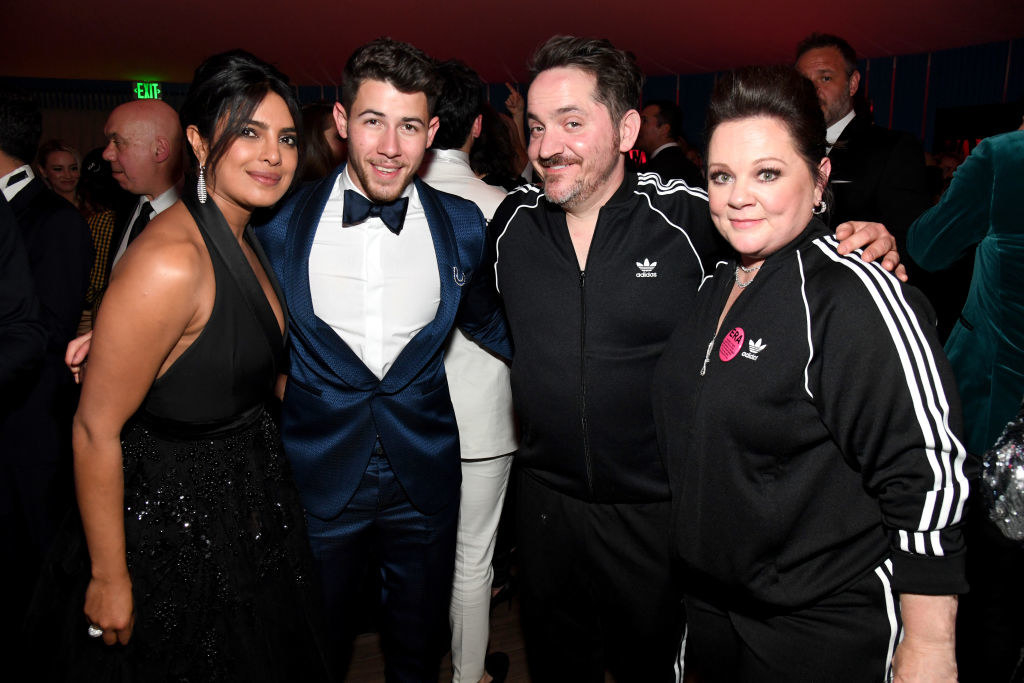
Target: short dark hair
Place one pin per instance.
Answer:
(670, 114)
(228, 87)
(96, 186)
(406, 67)
(317, 159)
(458, 104)
(619, 79)
(21, 124)
(778, 92)
(819, 40)
(493, 153)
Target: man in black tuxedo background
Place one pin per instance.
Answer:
(877, 174)
(661, 128)
(36, 407)
(22, 335)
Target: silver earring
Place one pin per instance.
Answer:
(201, 185)
(819, 208)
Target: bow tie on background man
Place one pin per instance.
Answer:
(358, 208)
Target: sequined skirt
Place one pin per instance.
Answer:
(219, 561)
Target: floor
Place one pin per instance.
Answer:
(368, 664)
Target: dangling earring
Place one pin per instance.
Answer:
(201, 185)
(819, 208)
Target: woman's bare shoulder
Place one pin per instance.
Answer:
(170, 251)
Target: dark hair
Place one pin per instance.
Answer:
(225, 91)
(778, 92)
(457, 105)
(21, 124)
(407, 68)
(97, 187)
(619, 80)
(318, 160)
(493, 154)
(819, 40)
(669, 113)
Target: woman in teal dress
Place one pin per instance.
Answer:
(981, 208)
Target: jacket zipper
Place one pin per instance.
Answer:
(583, 381)
(707, 354)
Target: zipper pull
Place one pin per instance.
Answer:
(707, 356)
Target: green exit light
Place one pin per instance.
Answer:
(147, 91)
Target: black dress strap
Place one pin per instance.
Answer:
(215, 230)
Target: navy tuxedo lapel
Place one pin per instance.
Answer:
(427, 341)
(341, 360)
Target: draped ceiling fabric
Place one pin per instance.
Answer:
(91, 50)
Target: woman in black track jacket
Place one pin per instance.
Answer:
(810, 425)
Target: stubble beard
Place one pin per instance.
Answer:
(584, 188)
(834, 111)
(372, 191)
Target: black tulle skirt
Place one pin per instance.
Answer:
(219, 561)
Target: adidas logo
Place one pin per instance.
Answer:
(754, 348)
(646, 269)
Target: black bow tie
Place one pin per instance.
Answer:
(358, 208)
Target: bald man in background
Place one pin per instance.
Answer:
(144, 143)
(144, 148)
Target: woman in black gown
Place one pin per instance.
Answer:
(198, 564)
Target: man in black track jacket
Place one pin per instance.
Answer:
(595, 273)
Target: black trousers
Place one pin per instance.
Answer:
(847, 637)
(597, 588)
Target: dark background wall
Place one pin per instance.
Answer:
(948, 99)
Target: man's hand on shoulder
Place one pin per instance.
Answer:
(877, 242)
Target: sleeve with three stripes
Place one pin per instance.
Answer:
(887, 393)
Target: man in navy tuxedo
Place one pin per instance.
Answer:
(377, 268)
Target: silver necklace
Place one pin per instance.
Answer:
(745, 269)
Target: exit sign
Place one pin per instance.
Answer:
(147, 91)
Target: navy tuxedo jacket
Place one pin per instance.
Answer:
(334, 408)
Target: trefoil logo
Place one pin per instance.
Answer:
(646, 269)
(754, 348)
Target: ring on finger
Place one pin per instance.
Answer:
(94, 631)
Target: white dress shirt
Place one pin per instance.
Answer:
(15, 188)
(157, 205)
(374, 288)
(448, 170)
(477, 381)
(665, 146)
(833, 132)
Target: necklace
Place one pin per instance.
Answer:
(736, 275)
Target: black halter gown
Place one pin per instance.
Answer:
(216, 541)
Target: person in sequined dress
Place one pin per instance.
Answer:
(197, 564)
